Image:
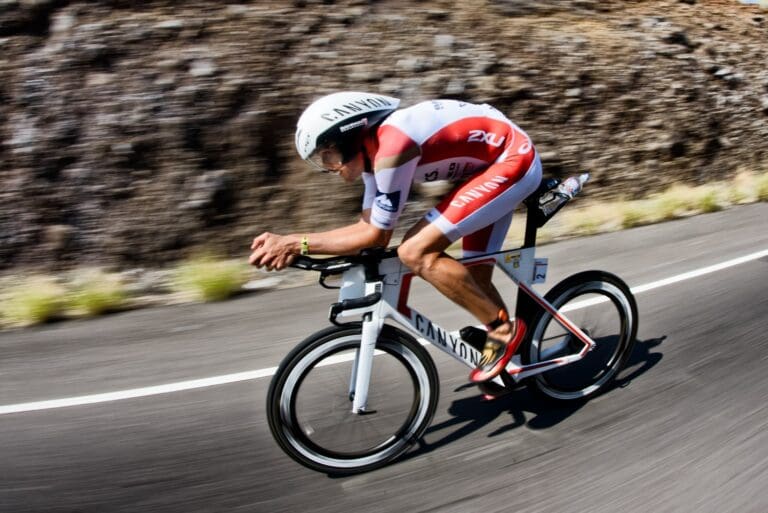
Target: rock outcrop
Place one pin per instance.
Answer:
(134, 132)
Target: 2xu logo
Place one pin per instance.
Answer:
(482, 136)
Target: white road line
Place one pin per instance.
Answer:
(263, 373)
(138, 392)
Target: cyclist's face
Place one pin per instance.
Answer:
(329, 160)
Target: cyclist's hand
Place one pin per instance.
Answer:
(272, 251)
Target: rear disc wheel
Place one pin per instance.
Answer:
(602, 305)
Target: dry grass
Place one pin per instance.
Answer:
(95, 292)
(208, 278)
(32, 300)
(761, 188)
(676, 202)
(36, 299)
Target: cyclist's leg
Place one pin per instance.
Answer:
(474, 209)
(483, 275)
(487, 240)
(476, 204)
(482, 201)
(423, 251)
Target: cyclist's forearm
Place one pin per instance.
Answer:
(346, 240)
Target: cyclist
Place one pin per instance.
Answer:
(492, 161)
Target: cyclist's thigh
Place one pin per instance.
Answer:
(485, 199)
(488, 239)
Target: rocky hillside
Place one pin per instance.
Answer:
(134, 132)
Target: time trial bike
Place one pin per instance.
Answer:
(358, 394)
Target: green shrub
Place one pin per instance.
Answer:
(96, 292)
(708, 202)
(210, 279)
(632, 215)
(674, 202)
(761, 187)
(34, 300)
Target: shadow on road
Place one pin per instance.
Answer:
(471, 414)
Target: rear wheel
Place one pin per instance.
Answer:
(602, 305)
(309, 405)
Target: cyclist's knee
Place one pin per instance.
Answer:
(409, 255)
(415, 258)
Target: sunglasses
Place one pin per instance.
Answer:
(327, 160)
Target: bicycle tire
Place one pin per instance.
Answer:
(284, 399)
(622, 332)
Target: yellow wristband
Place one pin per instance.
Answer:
(305, 245)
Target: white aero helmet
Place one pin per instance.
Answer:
(341, 120)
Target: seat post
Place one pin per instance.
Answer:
(531, 228)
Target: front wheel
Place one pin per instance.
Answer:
(603, 306)
(309, 404)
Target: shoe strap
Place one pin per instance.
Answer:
(501, 319)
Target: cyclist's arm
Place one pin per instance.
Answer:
(394, 168)
(275, 251)
(350, 239)
(347, 240)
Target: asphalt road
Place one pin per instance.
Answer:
(686, 429)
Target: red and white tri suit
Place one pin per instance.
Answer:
(475, 145)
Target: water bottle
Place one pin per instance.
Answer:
(554, 199)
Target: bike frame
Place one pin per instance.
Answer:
(391, 288)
